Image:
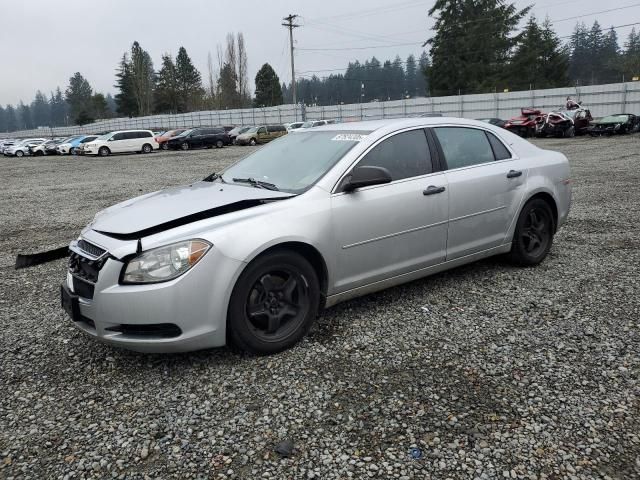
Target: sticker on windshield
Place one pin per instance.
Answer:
(348, 137)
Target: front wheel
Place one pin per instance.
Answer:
(19, 153)
(164, 146)
(534, 234)
(184, 146)
(253, 142)
(103, 151)
(274, 303)
(219, 144)
(146, 148)
(570, 132)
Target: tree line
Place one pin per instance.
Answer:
(477, 46)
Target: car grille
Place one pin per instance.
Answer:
(85, 269)
(90, 248)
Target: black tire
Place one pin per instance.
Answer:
(570, 132)
(274, 303)
(184, 146)
(533, 236)
(19, 153)
(104, 151)
(72, 151)
(164, 146)
(146, 148)
(219, 144)
(253, 142)
(39, 153)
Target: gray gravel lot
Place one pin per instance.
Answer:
(491, 371)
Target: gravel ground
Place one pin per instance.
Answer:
(490, 371)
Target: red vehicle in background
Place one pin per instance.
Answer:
(525, 124)
(166, 136)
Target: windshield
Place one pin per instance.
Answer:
(186, 132)
(252, 130)
(106, 136)
(307, 125)
(615, 119)
(295, 162)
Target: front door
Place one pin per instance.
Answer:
(486, 185)
(387, 230)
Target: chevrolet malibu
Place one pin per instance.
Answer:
(250, 255)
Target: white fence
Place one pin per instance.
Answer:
(601, 99)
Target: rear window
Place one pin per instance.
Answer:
(464, 147)
(144, 134)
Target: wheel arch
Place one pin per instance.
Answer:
(310, 253)
(548, 198)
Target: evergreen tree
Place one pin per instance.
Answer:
(268, 90)
(125, 98)
(99, 106)
(142, 79)
(611, 58)
(539, 61)
(41, 110)
(167, 96)
(59, 109)
(411, 77)
(580, 55)
(189, 81)
(78, 96)
(111, 105)
(472, 43)
(3, 119)
(595, 44)
(11, 118)
(423, 86)
(24, 116)
(631, 59)
(228, 95)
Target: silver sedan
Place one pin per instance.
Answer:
(252, 254)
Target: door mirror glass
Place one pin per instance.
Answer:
(366, 176)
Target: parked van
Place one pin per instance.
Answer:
(262, 134)
(122, 142)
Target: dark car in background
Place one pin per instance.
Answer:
(615, 124)
(207, 137)
(498, 122)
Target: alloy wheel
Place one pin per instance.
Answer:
(536, 231)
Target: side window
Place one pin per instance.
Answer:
(262, 130)
(464, 147)
(118, 136)
(499, 150)
(145, 134)
(131, 135)
(405, 155)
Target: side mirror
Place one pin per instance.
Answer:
(110, 140)
(366, 176)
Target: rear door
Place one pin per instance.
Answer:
(486, 184)
(263, 135)
(387, 230)
(118, 142)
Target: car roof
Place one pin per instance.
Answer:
(398, 123)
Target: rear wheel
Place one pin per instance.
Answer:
(534, 233)
(19, 153)
(252, 142)
(104, 151)
(184, 146)
(219, 144)
(146, 148)
(274, 303)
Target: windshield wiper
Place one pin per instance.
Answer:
(213, 177)
(257, 183)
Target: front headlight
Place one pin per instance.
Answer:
(165, 263)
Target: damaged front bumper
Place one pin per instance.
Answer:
(183, 314)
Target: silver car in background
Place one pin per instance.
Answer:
(251, 254)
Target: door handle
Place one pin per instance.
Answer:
(432, 190)
(514, 173)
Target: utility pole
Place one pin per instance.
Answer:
(290, 25)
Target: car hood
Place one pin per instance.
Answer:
(246, 135)
(176, 206)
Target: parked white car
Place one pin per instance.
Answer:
(293, 126)
(6, 143)
(20, 149)
(124, 141)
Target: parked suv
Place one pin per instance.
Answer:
(262, 134)
(124, 141)
(200, 138)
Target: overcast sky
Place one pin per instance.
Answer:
(45, 41)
